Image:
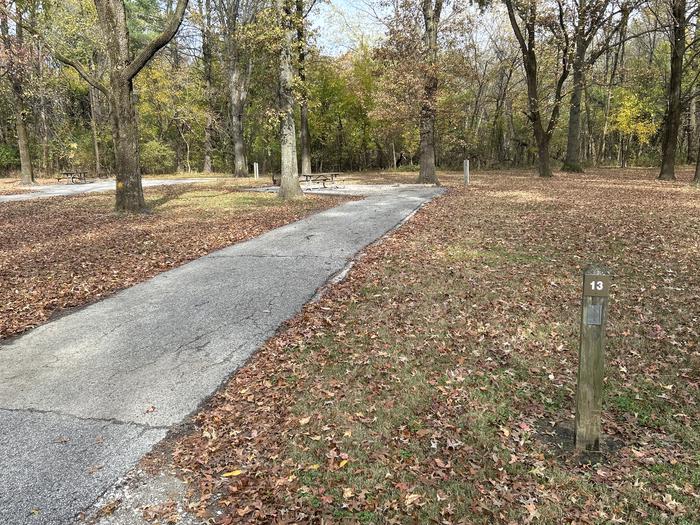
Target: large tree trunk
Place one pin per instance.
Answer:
(428, 111)
(541, 135)
(428, 174)
(25, 158)
(124, 67)
(238, 96)
(673, 113)
(289, 182)
(572, 160)
(126, 146)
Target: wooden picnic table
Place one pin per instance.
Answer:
(311, 177)
(75, 176)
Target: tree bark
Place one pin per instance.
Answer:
(207, 59)
(17, 80)
(119, 91)
(673, 113)
(25, 158)
(238, 95)
(93, 127)
(526, 41)
(572, 161)
(289, 181)
(431, 19)
(304, 133)
(126, 145)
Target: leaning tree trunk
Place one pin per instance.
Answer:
(673, 113)
(289, 181)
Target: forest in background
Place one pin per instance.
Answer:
(587, 82)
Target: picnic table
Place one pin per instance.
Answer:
(75, 176)
(311, 177)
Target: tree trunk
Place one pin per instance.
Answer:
(428, 174)
(126, 145)
(289, 181)
(206, 58)
(431, 18)
(93, 127)
(238, 95)
(25, 158)
(304, 134)
(541, 136)
(305, 139)
(673, 113)
(542, 139)
(572, 161)
(526, 41)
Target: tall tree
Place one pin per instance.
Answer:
(123, 66)
(235, 15)
(289, 181)
(431, 10)
(526, 23)
(669, 143)
(591, 16)
(15, 57)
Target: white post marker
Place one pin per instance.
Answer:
(255, 170)
(466, 172)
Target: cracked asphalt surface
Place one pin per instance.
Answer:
(84, 397)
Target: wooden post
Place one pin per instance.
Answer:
(256, 171)
(466, 172)
(589, 391)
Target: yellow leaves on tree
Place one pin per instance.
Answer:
(634, 117)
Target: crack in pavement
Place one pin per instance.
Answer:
(112, 421)
(170, 343)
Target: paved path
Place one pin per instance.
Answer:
(65, 190)
(84, 397)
